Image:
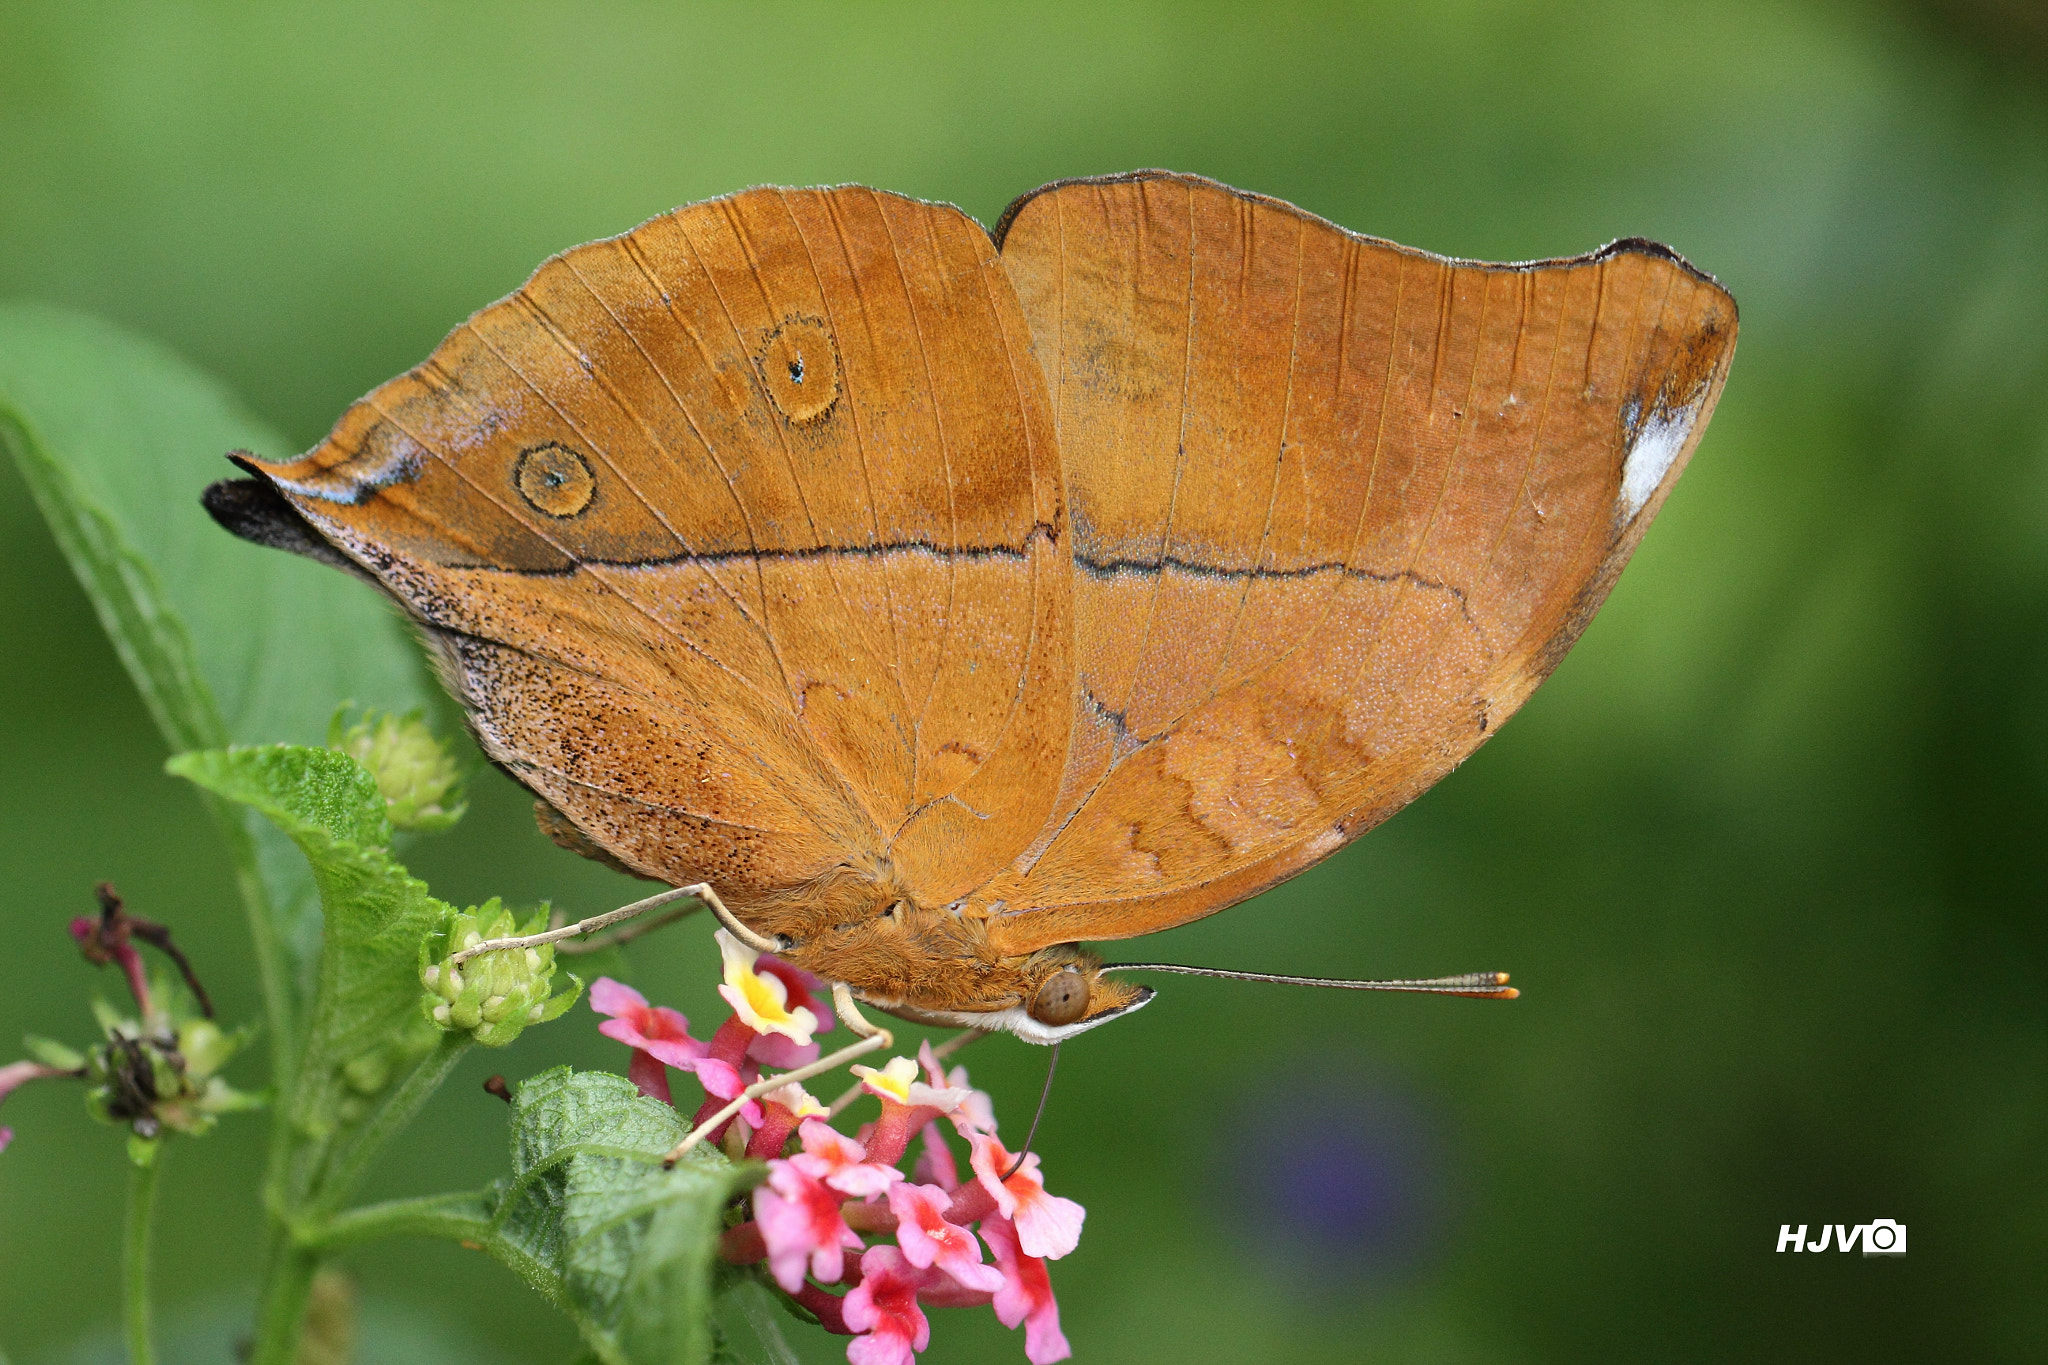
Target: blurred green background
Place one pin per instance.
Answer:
(1766, 854)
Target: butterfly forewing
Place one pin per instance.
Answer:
(1337, 507)
(741, 536)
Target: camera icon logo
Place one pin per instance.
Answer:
(1883, 1237)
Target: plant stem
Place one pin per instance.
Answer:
(347, 1164)
(281, 1311)
(135, 1261)
(456, 1217)
(294, 1251)
(272, 970)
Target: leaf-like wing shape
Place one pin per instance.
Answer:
(741, 537)
(1337, 507)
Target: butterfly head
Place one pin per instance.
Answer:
(1065, 993)
(1052, 995)
(938, 966)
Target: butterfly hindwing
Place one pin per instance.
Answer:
(1337, 507)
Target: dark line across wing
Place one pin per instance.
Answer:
(1094, 568)
(1113, 568)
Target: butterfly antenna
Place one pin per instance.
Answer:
(1478, 985)
(1043, 1096)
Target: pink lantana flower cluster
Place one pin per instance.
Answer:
(825, 1189)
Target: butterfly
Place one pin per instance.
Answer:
(948, 599)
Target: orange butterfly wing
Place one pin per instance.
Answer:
(740, 536)
(1337, 508)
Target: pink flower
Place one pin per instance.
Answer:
(883, 1309)
(928, 1240)
(833, 1159)
(664, 1035)
(935, 1164)
(908, 1104)
(1047, 1225)
(897, 1083)
(660, 1032)
(782, 1110)
(649, 1076)
(722, 1082)
(774, 1050)
(801, 1227)
(976, 1112)
(1026, 1295)
(762, 1000)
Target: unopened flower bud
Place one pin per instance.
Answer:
(495, 995)
(417, 774)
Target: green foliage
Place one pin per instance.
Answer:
(116, 439)
(227, 642)
(591, 1220)
(364, 1026)
(492, 996)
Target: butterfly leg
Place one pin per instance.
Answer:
(869, 1039)
(701, 892)
(629, 933)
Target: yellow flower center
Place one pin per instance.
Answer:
(761, 1001)
(895, 1078)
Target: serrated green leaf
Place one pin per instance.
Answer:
(365, 1026)
(227, 642)
(592, 1221)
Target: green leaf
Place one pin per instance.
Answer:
(117, 437)
(227, 642)
(750, 1320)
(365, 1027)
(50, 1052)
(589, 1218)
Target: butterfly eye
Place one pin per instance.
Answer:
(1063, 998)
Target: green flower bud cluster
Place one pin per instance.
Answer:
(417, 774)
(495, 995)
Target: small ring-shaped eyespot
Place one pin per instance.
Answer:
(555, 480)
(1062, 1000)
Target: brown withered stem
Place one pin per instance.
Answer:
(116, 926)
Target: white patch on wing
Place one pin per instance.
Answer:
(351, 483)
(1656, 445)
(1015, 1019)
